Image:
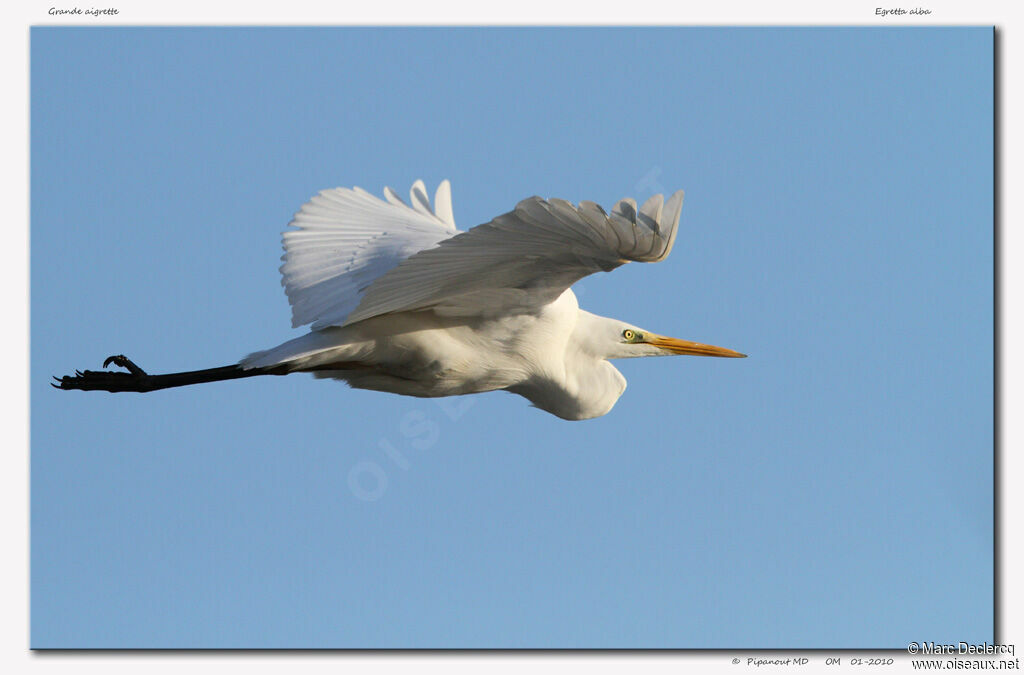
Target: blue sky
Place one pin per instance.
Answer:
(832, 490)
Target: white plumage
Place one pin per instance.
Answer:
(347, 239)
(401, 301)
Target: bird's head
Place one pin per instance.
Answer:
(614, 339)
(638, 342)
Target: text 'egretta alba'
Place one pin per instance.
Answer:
(401, 301)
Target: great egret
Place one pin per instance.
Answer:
(400, 301)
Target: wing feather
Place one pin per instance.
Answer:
(418, 198)
(524, 258)
(346, 239)
(443, 203)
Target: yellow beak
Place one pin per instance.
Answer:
(694, 348)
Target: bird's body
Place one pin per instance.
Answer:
(423, 354)
(402, 302)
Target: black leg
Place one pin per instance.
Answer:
(138, 380)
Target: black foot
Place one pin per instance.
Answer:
(136, 379)
(124, 362)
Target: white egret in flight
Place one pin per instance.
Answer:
(400, 301)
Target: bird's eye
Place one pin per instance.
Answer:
(629, 335)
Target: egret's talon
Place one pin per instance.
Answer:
(126, 363)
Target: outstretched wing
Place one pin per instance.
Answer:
(525, 258)
(348, 238)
